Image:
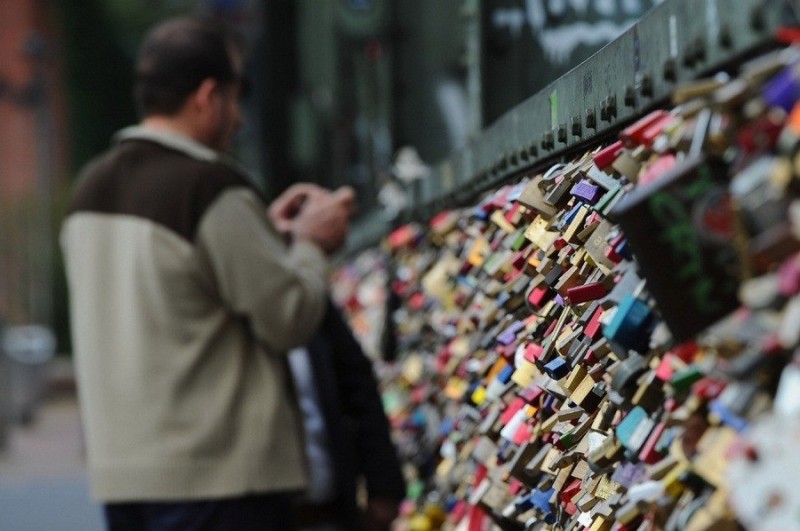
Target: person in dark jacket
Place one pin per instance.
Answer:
(347, 434)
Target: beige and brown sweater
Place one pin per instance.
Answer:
(183, 301)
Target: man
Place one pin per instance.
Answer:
(348, 439)
(184, 300)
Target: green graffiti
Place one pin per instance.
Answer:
(702, 185)
(702, 294)
(678, 233)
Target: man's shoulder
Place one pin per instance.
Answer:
(153, 182)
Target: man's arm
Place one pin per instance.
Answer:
(280, 289)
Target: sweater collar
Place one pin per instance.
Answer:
(174, 141)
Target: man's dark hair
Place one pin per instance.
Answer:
(176, 56)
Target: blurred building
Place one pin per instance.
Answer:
(33, 159)
(528, 44)
(345, 83)
(340, 88)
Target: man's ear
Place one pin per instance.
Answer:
(204, 94)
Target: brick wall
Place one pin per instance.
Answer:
(33, 158)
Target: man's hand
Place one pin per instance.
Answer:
(309, 212)
(287, 206)
(379, 514)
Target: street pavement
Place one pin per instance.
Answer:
(43, 483)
